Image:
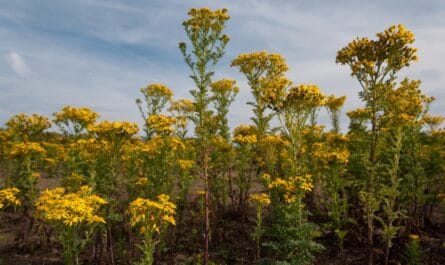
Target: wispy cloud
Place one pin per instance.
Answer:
(17, 64)
(98, 53)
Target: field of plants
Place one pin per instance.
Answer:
(188, 189)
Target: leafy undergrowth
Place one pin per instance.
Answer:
(231, 241)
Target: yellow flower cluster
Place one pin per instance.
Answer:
(391, 49)
(303, 97)
(70, 209)
(336, 138)
(5, 135)
(142, 181)
(272, 65)
(153, 147)
(181, 109)
(107, 129)
(27, 148)
(260, 198)
(274, 91)
(273, 140)
(341, 156)
(245, 139)
(175, 144)
(433, 122)
(161, 124)
(27, 126)
(406, 103)
(87, 148)
(9, 196)
(266, 178)
(56, 152)
(292, 187)
(359, 114)
(219, 143)
(224, 86)
(334, 103)
(157, 90)
(244, 129)
(151, 216)
(278, 183)
(205, 20)
(329, 155)
(245, 134)
(396, 35)
(84, 116)
(182, 105)
(185, 164)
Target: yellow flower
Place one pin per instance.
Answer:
(169, 219)
(182, 106)
(245, 134)
(81, 116)
(266, 178)
(306, 186)
(142, 181)
(35, 175)
(108, 130)
(151, 216)
(27, 148)
(359, 114)
(69, 209)
(278, 183)
(304, 182)
(224, 87)
(274, 91)
(304, 96)
(27, 126)
(185, 164)
(433, 122)
(206, 20)
(293, 188)
(161, 124)
(252, 64)
(248, 139)
(271, 139)
(9, 196)
(96, 219)
(157, 90)
(334, 103)
(392, 47)
(262, 198)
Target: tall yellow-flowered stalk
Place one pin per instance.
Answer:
(204, 29)
(151, 218)
(375, 64)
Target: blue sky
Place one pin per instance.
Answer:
(98, 53)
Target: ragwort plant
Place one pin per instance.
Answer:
(204, 29)
(151, 218)
(293, 237)
(375, 64)
(73, 216)
(334, 159)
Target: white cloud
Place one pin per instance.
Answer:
(17, 64)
